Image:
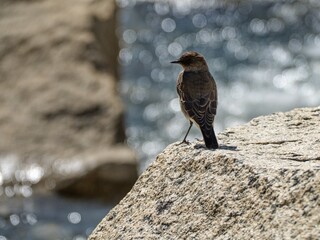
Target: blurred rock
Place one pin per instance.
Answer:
(263, 183)
(58, 89)
(107, 174)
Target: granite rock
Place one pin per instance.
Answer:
(262, 183)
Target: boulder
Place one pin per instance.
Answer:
(262, 183)
(59, 104)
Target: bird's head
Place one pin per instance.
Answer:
(192, 61)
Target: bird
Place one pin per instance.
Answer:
(198, 96)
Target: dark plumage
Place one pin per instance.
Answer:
(198, 95)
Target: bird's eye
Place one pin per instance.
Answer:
(188, 61)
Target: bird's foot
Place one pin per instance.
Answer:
(184, 142)
(200, 140)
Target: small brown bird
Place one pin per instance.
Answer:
(198, 95)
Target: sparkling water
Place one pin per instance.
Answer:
(264, 56)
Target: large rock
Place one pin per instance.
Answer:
(263, 183)
(59, 104)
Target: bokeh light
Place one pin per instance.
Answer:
(74, 217)
(264, 56)
(168, 25)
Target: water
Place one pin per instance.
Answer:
(264, 56)
(40, 217)
(27, 214)
(34, 214)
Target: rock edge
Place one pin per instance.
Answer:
(263, 183)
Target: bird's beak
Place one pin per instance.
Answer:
(177, 61)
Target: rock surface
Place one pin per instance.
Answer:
(58, 91)
(263, 183)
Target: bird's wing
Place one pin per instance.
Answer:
(198, 96)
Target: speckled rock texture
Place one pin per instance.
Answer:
(59, 105)
(262, 183)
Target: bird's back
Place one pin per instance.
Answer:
(198, 84)
(197, 91)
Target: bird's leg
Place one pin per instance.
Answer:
(185, 137)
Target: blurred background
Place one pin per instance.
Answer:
(88, 99)
(264, 56)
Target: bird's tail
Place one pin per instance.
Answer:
(210, 138)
